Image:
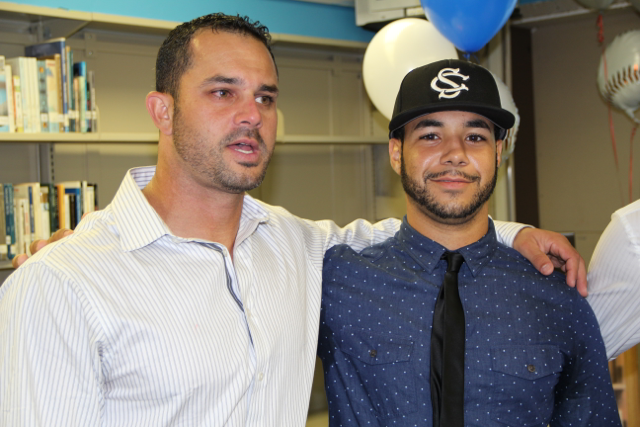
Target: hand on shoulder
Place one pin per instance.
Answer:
(35, 246)
(547, 250)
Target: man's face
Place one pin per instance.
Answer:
(448, 164)
(224, 123)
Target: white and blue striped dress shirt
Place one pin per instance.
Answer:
(614, 281)
(126, 324)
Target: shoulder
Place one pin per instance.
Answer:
(277, 217)
(511, 265)
(345, 254)
(93, 237)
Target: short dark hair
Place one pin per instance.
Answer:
(174, 56)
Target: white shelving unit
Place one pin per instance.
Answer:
(332, 142)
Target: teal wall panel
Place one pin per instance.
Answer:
(281, 16)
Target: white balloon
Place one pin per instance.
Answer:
(396, 49)
(621, 87)
(595, 4)
(506, 100)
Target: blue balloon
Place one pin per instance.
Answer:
(468, 24)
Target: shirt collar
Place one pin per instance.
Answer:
(427, 252)
(140, 225)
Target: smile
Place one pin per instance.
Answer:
(457, 181)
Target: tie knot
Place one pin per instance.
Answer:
(454, 261)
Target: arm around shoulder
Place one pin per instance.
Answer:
(360, 233)
(614, 282)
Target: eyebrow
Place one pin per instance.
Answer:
(269, 88)
(477, 123)
(234, 81)
(429, 123)
(221, 79)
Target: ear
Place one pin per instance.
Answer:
(499, 152)
(395, 154)
(160, 108)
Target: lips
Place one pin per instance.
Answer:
(453, 176)
(453, 180)
(243, 148)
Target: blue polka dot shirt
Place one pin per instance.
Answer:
(533, 351)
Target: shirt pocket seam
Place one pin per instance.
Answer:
(529, 362)
(389, 348)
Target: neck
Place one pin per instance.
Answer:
(451, 236)
(192, 210)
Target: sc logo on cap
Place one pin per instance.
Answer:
(454, 88)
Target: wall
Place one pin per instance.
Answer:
(281, 16)
(579, 186)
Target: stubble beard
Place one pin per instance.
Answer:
(452, 213)
(209, 164)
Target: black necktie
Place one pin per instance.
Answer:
(447, 350)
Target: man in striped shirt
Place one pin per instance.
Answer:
(185, 301)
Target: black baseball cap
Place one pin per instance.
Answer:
(449, 85)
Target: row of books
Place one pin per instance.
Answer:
(45, 91)
(32, 211)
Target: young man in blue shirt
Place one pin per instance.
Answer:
(496, 344)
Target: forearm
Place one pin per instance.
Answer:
(614, 286)
(507, 231)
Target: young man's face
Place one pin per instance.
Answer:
(448, 164)
(224, 124)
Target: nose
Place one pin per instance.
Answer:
(248, 113)
(454, 152)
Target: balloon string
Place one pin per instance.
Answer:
(615, 154)
(600, 23)
(633, 132)
(612, 132)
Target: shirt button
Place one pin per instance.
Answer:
(373, 353)
(260, 376)
(531, 368)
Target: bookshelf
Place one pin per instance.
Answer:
(106, 41)
(337, 136)
(624, 376)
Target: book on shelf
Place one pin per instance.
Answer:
(49, 195)
(5, 236)
(17, 104)
(21, 67)
(32, 211)
(8, 212)
(72, 98)
(45, 91)
(23, 226)
(82, 198)
(73, 189)
(7, 114)
(49, 50)
(4, 250)
(43, 98)
(63, 202)
(52, 80)
(80, 85)
(91, 102)
(30, 191)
